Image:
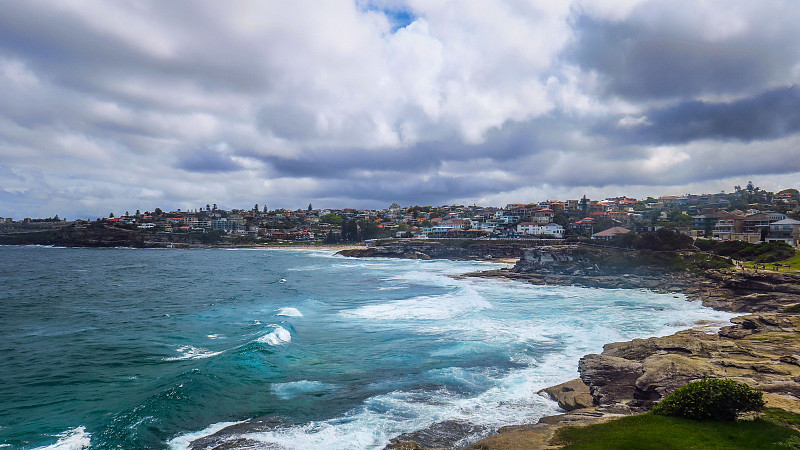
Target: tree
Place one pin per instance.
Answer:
(255, 208)
(111, 215)
(331, 218)
(214, 208)
(791, 191)
(265, 209)
(158, 211)
(331, 238)
(680, 219)
(350, 231)
(584, 204)
(369, 230)
(208, 207)
(310, 208)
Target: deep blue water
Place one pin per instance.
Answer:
(118, 348)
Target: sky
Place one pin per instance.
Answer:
(114, 106)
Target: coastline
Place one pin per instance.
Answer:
(759, 348)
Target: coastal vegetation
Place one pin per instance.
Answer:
(647, 260)
(711, 399)
(650, 431)
(762, 252)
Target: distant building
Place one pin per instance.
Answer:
(611, 233)
(786, 230)
(536, 229)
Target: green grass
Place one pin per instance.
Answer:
(793, 263)
(781, 417)
(648, 431)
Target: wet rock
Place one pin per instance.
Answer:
(439, 435)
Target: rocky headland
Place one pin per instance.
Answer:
(761, 347)
(456, 249)
(100, 234)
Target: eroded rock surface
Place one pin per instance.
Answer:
(571, 395)
(762, 350)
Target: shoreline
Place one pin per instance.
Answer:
(761, 347)
(609, 382)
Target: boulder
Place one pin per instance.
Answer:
(572, 395)
(610, 379)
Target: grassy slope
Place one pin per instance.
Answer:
(793, 263)
(649, 431)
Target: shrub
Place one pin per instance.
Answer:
(711, 399)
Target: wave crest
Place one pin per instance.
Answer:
(278, 336)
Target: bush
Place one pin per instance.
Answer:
(711, 399)
(764, 252)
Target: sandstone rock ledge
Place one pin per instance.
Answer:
(762, 350)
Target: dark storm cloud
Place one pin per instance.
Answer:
(409, 189)
(510, 142)
(770, 115)
(207, 161)
(638, 60)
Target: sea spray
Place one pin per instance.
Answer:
(182, 344)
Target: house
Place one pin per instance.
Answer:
(705, 223)
(727, 226)
(610, 233)
(458, 224)
(536, 229)
(755, 223)
(543, 216)
(585, 224)
(786, 230)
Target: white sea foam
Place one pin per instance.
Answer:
(512, 399)
(286, 391)
(463, 301)
(542, 330)
(289, 312)
(183, 441)
(74, 439)
(213, 336)
(189, 352)
(391, 288)
(275, 337)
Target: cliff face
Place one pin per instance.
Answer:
(73, 235)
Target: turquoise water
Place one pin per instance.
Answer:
(119, 348)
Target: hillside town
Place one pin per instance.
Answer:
(747, 214)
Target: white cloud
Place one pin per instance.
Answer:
(125, 104)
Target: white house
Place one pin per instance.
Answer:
(786, 230)
(536, 229)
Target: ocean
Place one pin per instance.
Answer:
(148, 349)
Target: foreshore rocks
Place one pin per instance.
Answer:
(457, 249)
(571, 395)
(73, 235)
(761, 349)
